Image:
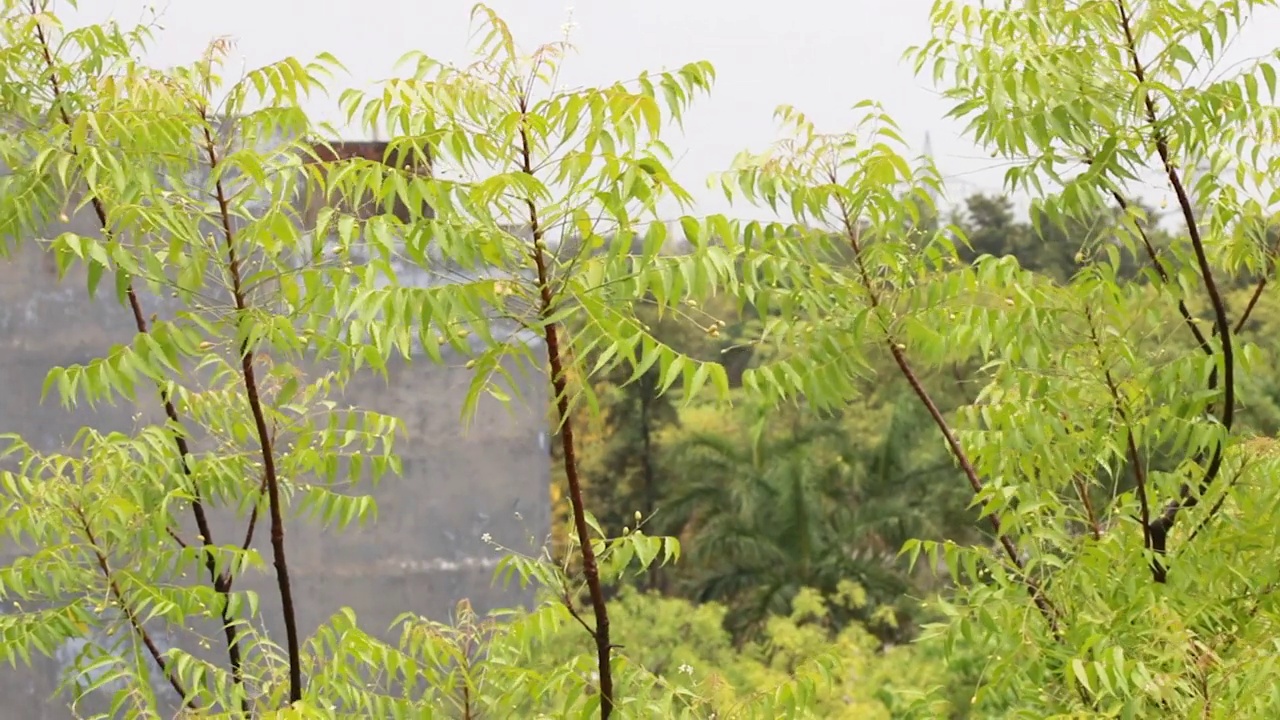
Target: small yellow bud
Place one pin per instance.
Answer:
(470, 364)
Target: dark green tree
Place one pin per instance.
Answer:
(766, 513)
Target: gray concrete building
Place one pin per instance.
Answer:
(424, 552)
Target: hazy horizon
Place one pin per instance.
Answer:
(822, 57)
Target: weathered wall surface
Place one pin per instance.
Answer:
(422, 554)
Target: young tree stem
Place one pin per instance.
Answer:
(559, 385)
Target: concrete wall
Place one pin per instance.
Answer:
(423, 554)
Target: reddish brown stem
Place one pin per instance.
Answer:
(1189, 496)
(254, 398)
(1082, 491)
(1140, 480)
(1042, 602)
(1248, 309)
(957, 450)
(1135, 459)
(221, 583)
(1183, 310)
(253, 521)
(134, 621)
(559, 385)
(567, 597)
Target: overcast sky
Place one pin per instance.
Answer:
(819, 55)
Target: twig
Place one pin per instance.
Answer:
(1235, 477)
(1042, 602)
(1082, 491)
(253, 521)
(573, 612)
(134, 622)
(1135, 459)
(1183, 310)
(1248, 309)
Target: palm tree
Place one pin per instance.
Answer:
(910, 487)
(764, 517)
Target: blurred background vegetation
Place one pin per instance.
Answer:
(791, 521)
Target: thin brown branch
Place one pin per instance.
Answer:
(559, 384)
(1135, 458)
(573, 612)
(1183, 310)
(1038, 596)
(1270, 267)
(1139, 472)
(1248, 309)
(253, 514)
(253, 522)
(1235, 477)
(1082, 491)
(1033, 588)
(1189, 496)
(254, 398)
(135, 623)
(179, 437)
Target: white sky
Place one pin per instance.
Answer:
(819, 55)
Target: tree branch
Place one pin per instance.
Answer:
(1248, 309)
(1135, 459)
(1188, 497)
(1235, 477)
(134, 621)
(1082, 491)
(1183, 310)
(220, 584)
(254, 398)
(1042, 602)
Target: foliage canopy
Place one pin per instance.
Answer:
(1105, 430)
